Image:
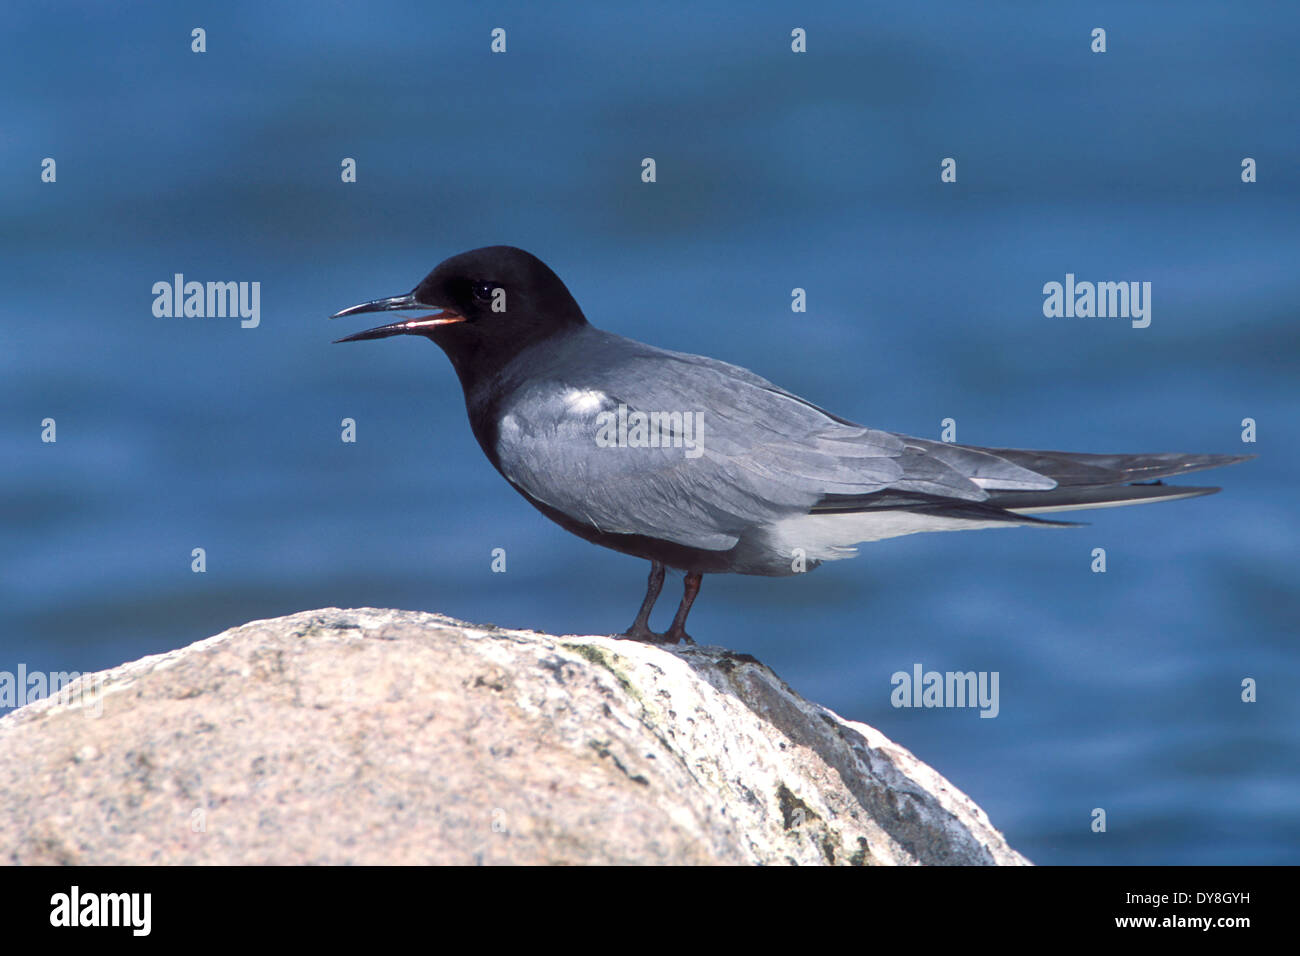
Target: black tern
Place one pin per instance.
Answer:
(705, 467)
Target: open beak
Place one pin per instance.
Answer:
(408, 327)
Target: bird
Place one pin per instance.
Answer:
(705, 467)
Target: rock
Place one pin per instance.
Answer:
(377, 736)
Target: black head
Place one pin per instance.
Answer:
(491, 303)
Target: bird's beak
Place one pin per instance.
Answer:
(392, 304)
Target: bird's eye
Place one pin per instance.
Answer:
(483, 291)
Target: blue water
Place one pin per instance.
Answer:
(1118, 690)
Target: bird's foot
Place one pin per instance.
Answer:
(677, 635)
(641, 633)
(647, 636)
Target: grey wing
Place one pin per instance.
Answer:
(759, 454)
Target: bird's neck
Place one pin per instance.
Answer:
(490, 375)
(482, 363)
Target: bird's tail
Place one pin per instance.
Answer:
(1103, 481)
(1080, 499)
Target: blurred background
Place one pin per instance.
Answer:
(775, 170)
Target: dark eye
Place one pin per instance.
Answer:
(483, 291)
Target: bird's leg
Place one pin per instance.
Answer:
(677, 632)
(640, 629)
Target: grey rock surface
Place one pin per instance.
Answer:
(382, 736)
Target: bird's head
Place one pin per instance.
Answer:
(486, 304)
